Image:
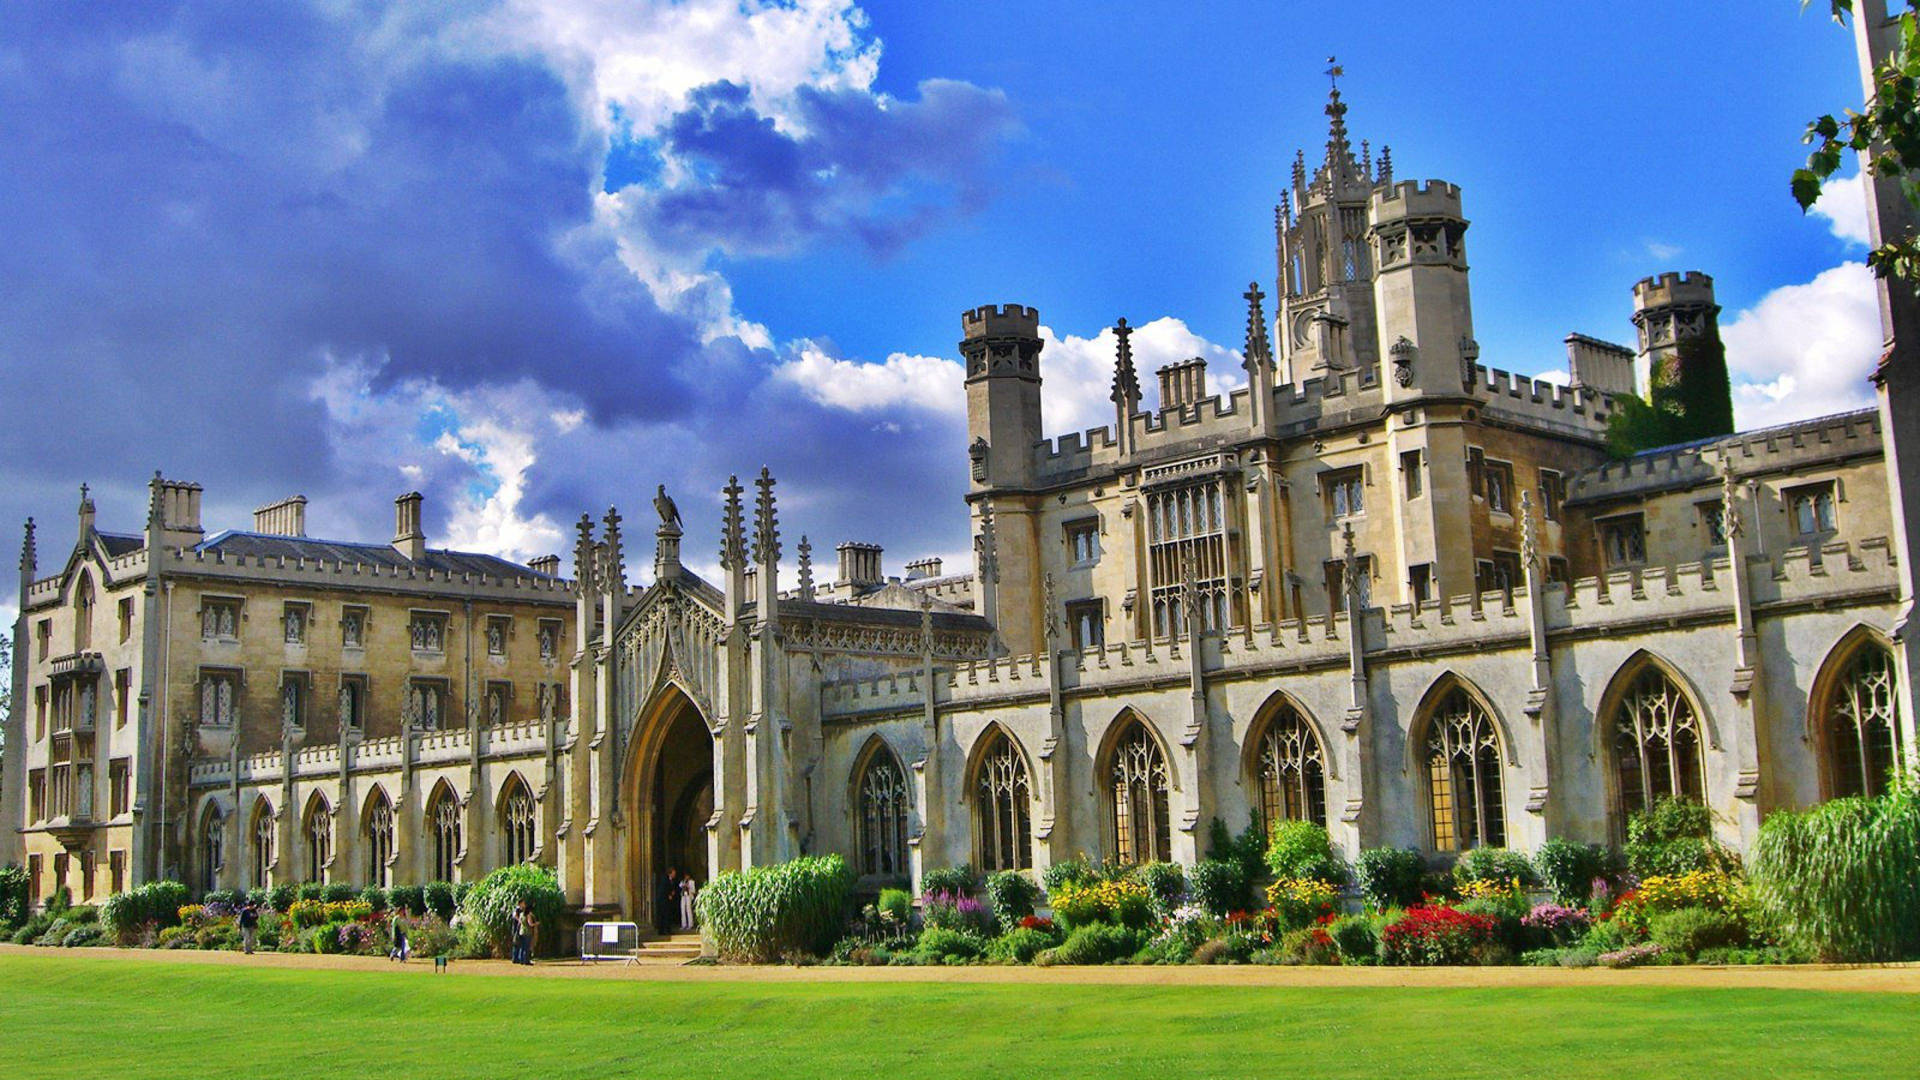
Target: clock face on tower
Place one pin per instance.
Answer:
(1302, 329)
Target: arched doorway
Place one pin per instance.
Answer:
(674, 789)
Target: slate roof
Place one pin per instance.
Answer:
(262, 545)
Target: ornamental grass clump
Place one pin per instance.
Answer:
(768, 912)
(1842, 880)
(145, 910)
(486, 912)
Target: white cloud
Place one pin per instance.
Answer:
(1843, 203)
(1805, 350)
(919, 382)
(1076, 374)
(1663, 252)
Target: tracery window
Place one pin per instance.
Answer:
(292, 704)
(353, 628)
(216, 699)
(1292, 771)
(549, 639)
(1003, 801)
(883, 795)
(1863, 741)
(213, 848)
(380, 841)
(428, 632)
(1463, 775)
(444, 817)
(319, 839)
(350, 703)
(220, 620)
(496, 704)
(293, 624)
(423, 705)
(83, 615)
(262, 841)
(496, 636)
(517, 817)
(1142, 815)
(1656, 743)
(1187, 533)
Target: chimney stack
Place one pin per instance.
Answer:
(859, 564)
(288, 517)
(923, 568)
(408, 538)
(1183, 384)
(546, 564)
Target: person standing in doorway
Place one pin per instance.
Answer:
(688, 890)
(249, 927)
(668, 902)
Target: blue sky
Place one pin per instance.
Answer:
(533, 259)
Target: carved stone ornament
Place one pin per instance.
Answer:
(1403, 353)
(977, 453)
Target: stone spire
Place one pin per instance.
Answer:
(985, 544)
(583, 556)
(613, 571)
(86, 513)
(733, 543)
(1339, 149)
(1126, 388)
(1259, 348)
(1349, 567)
(806, 569)
(766, 548)
(29, 554)
(1383, 177)
(156, 517)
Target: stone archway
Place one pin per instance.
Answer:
(672, 797)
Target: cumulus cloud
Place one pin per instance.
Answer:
(920, 382)
(468, 248)
(1078, 371)
(1805, 350)
(1843, 203)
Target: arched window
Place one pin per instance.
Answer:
(1656, 743)
(83, 614)
(516, 822)
(1463, 775)
(380, 840)
(1142, 829)
(261, 837)
(319, 833)
(1003, 800)
(1862, 739)
(1291, 770)
(443, 816)
(213, 847)
(883, 795)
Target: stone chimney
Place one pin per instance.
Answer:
(408, 538)
(1183, 384)
(1593, 364)
(179, 514)
(546, 564)
(859, 564)
(923, 568)
(288, 517)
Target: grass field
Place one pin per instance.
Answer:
(97, 1014)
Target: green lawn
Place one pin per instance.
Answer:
(94, 1014)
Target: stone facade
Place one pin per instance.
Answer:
(1383, 586)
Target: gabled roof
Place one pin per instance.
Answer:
(263, 545)
(117, 544)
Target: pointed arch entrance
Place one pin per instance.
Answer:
(670, 789)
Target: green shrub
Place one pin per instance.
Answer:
(1248, 850)
(1767, 954)
(408, 898)
(439, 899)
(1568, 869)
(1507, 930)
(374, 897)
(153, 906)
(27, 932)
(1095, 943)
(1309, 945)
(55, 933)
(940, 946)
(897, 905)
(1842, 880)
(85, 916)
(1220, 886)
(15, 904)
(60, 901)
(1390, 877)
(230, 897)
(325, 938)
(1165, 883)
(1020, 945)
(768, 912)
(957, 880)
(1499, 866)
(1356, 938)
(1673, 837)
(1012, 895)
(260, 897)
(1609, 936)
(338, 893)
(487, 912)
(1301, 849)
(281, 897)
(1690, 930)
(310, 890)
(1075, 871)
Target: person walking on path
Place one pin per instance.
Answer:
(249, 927)
(688, 890)
(523, 933)
(401, 947)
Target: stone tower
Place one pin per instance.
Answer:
(1001, 347)
(1680, 345)
(1420, 289)
(1325, 285)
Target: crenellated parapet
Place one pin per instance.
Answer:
(340, 574)
(1787, 448)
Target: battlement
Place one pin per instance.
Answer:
(340, 574)
(1688, 465)
(1670, 288)
(1010, 320)
(1579, 407)
(1417, 199)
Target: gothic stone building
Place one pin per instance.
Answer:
(1382, 586)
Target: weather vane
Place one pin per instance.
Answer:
(1334, 71)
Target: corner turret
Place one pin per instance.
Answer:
(1421, 293)
(1002, 347)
